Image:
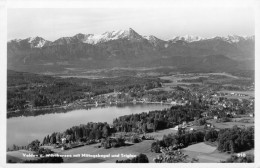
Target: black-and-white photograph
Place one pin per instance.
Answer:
(128, 84)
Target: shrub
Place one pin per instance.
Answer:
(43, 151)
(236, 159)
(211, 135)
(155, 147)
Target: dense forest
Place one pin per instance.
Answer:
(236, 139)
(158, 120)
(231, 140)
(177, 141)
(81, 133)
(139, 123)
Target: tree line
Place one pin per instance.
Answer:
(81, 133)
(179, 140)
(231, 140)
(158, 120)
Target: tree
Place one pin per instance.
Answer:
(98, 134)
(44, 141)
(14, 147)
(155, 147)
(58, 137)
(53, 139)
(92, 134)
(155, 125)
(141, 158)
(144, 128)
(105, 131)
(73, 137)
(43, 151)
(236, 159)
(236, 139)
(47, 139)
(211, 135)
(34, 145)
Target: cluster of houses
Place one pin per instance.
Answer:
(119, 97)
(65, 144)
(184, 127)
(222, 94)
(216, 100)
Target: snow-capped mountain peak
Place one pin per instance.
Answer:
(121, 34)
(37, 42)
(129, 34)
(188, 38)
(151, 37)
(154, 40)
(234, 38)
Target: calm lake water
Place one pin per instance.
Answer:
(21, 130)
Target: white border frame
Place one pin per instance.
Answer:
(6, 4)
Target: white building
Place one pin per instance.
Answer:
(63, 140)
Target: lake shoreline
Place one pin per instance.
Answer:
(11, 114)
(22, 130)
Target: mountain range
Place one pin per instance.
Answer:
(127, 48)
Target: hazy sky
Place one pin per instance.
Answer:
(166, 23)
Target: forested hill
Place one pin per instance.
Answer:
(40, 90)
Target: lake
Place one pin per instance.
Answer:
(22, 130)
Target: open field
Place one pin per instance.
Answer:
(237, 97)
(236, 121)
(142, 147)
(200, 147)
(159, 134)
(156, 135)
(205, 153)
(81, 76)
(175, 78)
(225, 74)
(249, 93)
(135, 149)
(175, 81)
(17, 156)
(213, 157)
(111, 72)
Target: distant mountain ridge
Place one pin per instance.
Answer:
(129, 34)
(127, 48)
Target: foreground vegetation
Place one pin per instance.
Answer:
(240, 159)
